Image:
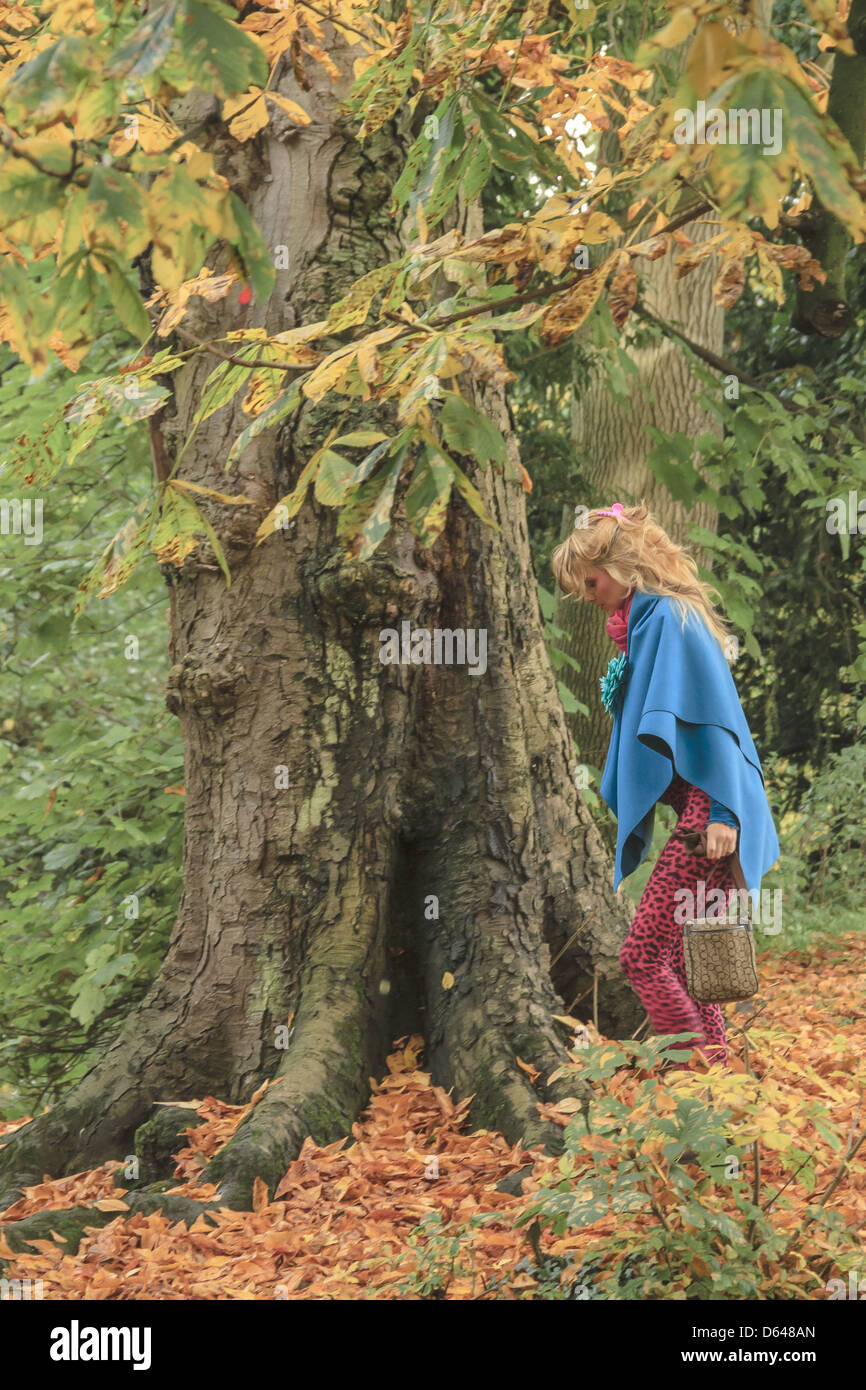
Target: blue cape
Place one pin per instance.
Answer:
(679, 711)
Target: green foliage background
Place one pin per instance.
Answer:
(91, 841)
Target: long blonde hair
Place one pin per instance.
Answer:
(639, 554)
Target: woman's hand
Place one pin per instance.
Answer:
(721, 840)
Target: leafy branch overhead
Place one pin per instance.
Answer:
(100, 173)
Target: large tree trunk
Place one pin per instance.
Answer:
(355, 832)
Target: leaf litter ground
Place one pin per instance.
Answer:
(342, 1215)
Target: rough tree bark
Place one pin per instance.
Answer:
(430, 823)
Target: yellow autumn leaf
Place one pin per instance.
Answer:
(246, 114)
(238, 500)
(264, 388)
(171, 552)
(70, 354)
(328, 373)
(369, 363)
(295, 112)
(447, 980)
(354, 307)
(304, 333)
(143, 129)
(275, 32)
(72, 16)
(325, 58)
(675, 32)
(205, 285)
(713, 53)
(600, 227)
(567, 311)
(729, 284)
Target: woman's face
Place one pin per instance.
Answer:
(603, 591)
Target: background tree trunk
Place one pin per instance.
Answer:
(612, 442)
(354, 831)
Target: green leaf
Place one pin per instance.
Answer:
(42, 88)
(214, 53)
(354, 306)
(467, 490)
(468, 431)
(427, 497)
(367, 465)
(61, 856)
(295, 499)
(127, 300)
(272, 415)
(224, 382)
(570, 703)
(478, 171)
(333, 478)
(252, 249)
(88, 1003)
(510, 147)
(117, 203)
(360, 439)
(179, 519)
(147, 46)
(470, 494)
(375, 528)
(751, 180)
(417, 175)
(364, 519)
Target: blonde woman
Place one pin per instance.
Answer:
(679, 736)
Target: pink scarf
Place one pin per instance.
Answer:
(617, 624)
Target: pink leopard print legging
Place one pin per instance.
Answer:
(652, 953)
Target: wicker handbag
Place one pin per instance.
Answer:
(719, 955)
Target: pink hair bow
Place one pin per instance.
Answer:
(615, 510)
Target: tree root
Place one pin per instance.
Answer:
(72, 1223)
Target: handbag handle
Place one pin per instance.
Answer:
(695, 842)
